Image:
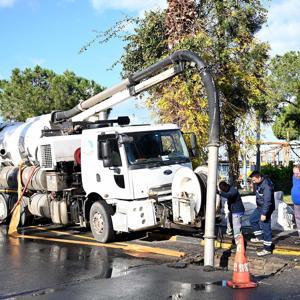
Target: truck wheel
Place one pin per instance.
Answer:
(101, 223)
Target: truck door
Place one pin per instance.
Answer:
(107, 173)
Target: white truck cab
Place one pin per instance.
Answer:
(131, 162)
(132, 168)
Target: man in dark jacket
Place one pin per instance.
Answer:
(261, 217)
(235, 207)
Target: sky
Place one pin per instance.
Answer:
(51, 33)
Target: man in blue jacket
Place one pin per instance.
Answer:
(260, 220)
(296, 198)
(235, 207)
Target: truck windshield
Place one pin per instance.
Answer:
(160, 147)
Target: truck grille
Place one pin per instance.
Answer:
(46, 156)
(161, 193)
(161, 189)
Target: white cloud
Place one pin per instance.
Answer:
(130, 5)
(283, 30)
(7, 3)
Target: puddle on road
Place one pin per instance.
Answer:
(208, 286)
(190, 290)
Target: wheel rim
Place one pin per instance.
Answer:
(98, 222)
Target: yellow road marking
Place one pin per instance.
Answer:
(63, 233)
(71, 234)
(124, 246)
(286, 252)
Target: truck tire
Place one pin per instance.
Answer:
(101, 222)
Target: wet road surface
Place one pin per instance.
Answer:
(30, 267)
(52, 270)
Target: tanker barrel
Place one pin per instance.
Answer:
(84, 105)
(9, 178)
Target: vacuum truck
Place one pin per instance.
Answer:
(78, 167)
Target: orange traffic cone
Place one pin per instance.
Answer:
(241, 274)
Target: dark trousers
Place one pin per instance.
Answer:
(262, 230)
(297, 217)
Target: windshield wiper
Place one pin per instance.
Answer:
(140, 161)
(178, 160)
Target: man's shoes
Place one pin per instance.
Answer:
(256, 240)
(264, 252)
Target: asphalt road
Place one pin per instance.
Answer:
(53, 270)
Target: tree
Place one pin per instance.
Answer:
(223, 35)
(39, 91)
(284, 84)
(284, 78)
(180, 20)
(287, 124)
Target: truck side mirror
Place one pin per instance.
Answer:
(106, 153)
(194, 145)
(125, 139)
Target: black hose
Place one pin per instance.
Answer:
(65, 115)
(212, 95)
